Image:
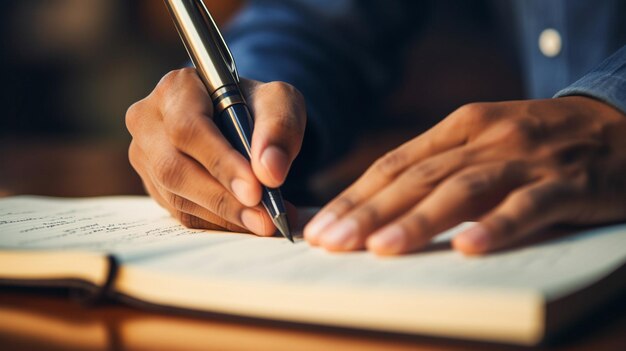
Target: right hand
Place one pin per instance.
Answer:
(191, 170)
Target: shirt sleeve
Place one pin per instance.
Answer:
(607, 82)
(339, 53)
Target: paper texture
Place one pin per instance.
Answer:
(142, 234)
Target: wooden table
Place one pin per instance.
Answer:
(38, 319)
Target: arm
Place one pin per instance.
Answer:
(338, 53)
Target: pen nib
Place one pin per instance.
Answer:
(283, 226)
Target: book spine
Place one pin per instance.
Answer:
(100, 293)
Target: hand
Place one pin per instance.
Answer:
(190, 169)
(516, 167)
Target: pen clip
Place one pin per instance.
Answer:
(219, 39)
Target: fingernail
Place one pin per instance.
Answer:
(391, 240)
(342, 235)
(476, 238)
(313, 230)
(252, 220)
(242, 191)
(276, 162)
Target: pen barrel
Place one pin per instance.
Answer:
(204, 43)
(236, 124)
(227, 96)
(216, 67)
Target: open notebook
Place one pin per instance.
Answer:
(130, 249)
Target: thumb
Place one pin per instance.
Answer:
(279, 123)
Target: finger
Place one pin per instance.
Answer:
(397, 198)
(192, 219)
(462, 197)
(523, 212)
(186, 180)
(187, 120)
(180, 175)
(279, 123)
(188, 213)
(444, 136)
(192, 215)
(137, 160)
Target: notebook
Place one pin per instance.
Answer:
(129, 249)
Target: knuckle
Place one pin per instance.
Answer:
(179, 203)
(473, 184)
(192, 222)
(290, 115)
(173, 81)
(425, 171)
(186, 72)
(342, 204)
(522, 132)
(472, 109)
(133, 114)
(278, 88)
(390, 164)
(297, 98)
(416, 223)
(368, 215)
(181, 130)
(169, 172)
(185, 219)
(214, 163)
(475, 113)
(218, 204)
(284, 91)
(168, 81)
(133, 156)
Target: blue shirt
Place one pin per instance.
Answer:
(338, 53)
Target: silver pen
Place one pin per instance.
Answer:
(216, 67)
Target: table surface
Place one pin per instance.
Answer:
(52, 319)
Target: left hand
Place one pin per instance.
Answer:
(516, 167)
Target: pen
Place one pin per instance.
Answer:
(216, 67)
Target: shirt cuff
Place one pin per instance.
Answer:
(606, 83)
(606, 88)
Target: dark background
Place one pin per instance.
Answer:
(72, 67)
(69, 69)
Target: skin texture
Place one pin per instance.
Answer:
(191, 170)
(515, 167)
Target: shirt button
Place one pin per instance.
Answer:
(550, 42)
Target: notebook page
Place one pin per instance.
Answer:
(105, 224)
(140, 233)
(552, 268)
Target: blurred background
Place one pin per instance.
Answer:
(70, 68)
